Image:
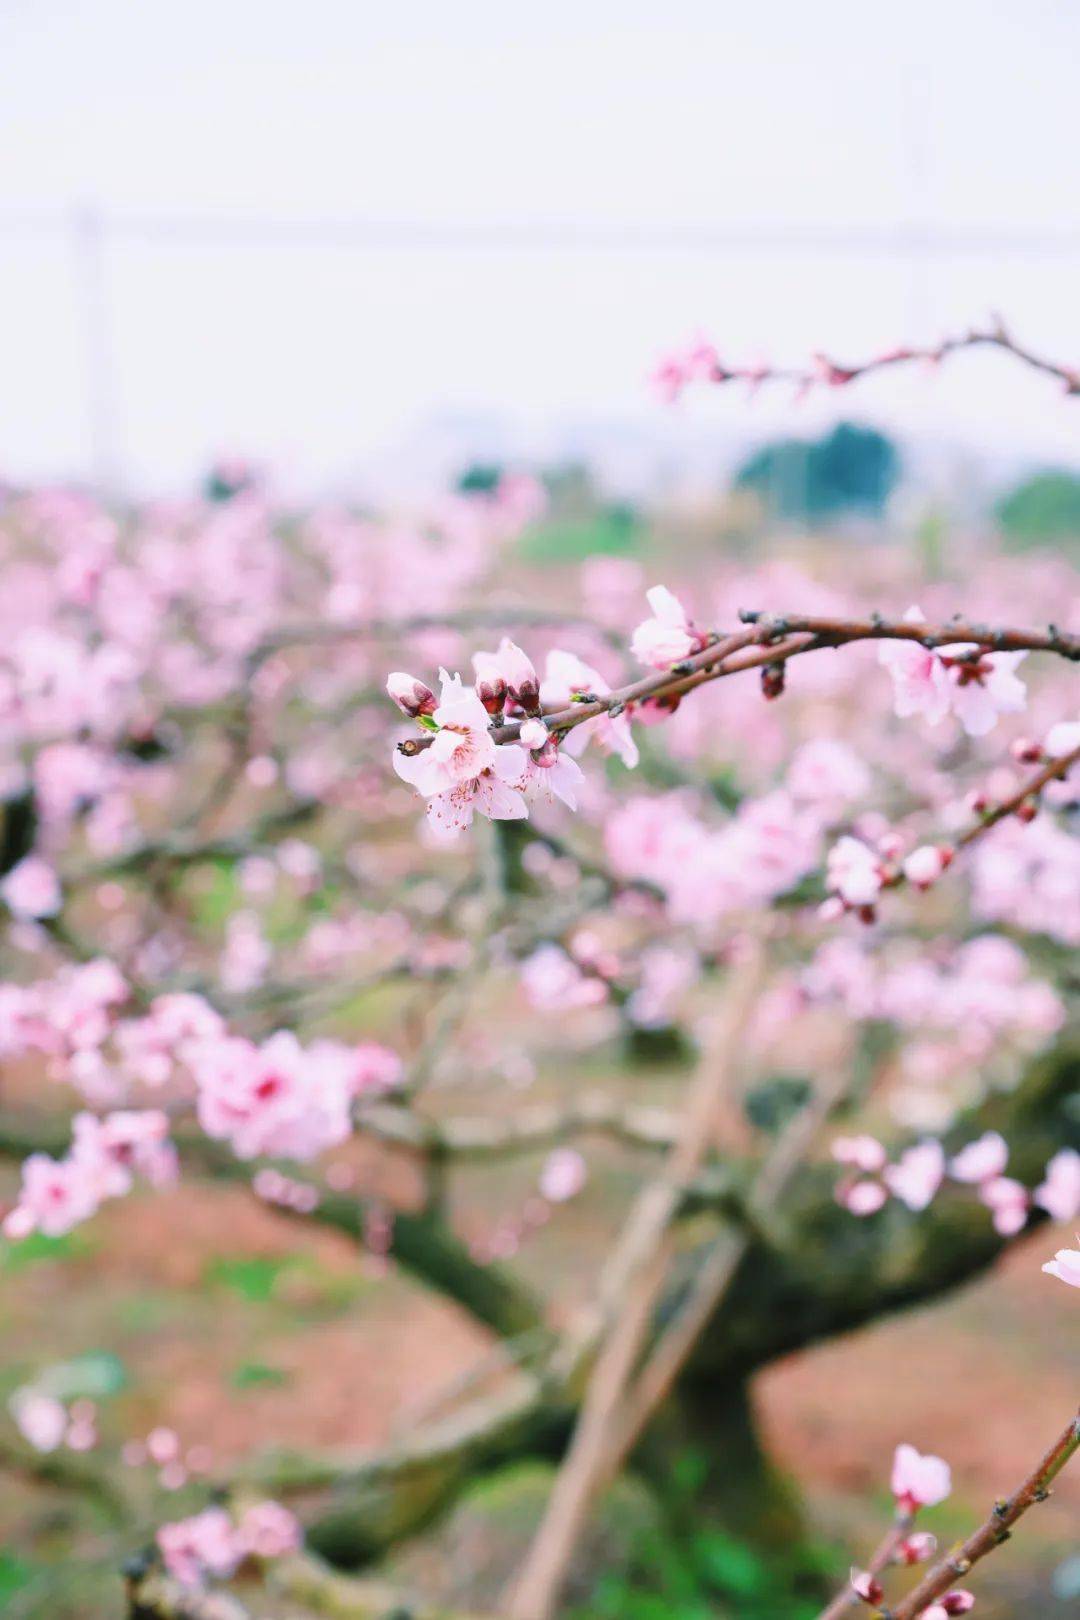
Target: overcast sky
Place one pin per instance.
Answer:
(663, 122)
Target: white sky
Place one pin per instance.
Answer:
(676, 117)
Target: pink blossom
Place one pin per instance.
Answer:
(917, 1175)
(1008, 1202)
(413, 697)
(464, 770)
(958, 1601)
(917, 1548)
(920, 680)
(1059, 1191)
(982, 686)
(56, 1195)
(549, 775)
(268, 1530)
(867, 1586)
(40, 1419)
(924, 865)
(273, 1099)
(376, 1069)
(854, 872)
(563, 1175)
(567, 675)
(206, 1544)
(982, 1160)
(553, 981)
(1065, 1266)
(919, 1481)
(32, 888)
(1063, 739)
(861, 1197)
(533, 734)
(666, 638)
(864, 1153)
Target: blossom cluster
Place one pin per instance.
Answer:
(213, 1544)
(275, 1098)
(917, 1175)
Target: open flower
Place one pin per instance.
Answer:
(668, 636)
(982, 686)
(1065, 1266)
(920, 680)
(464, 769)
(565, 676)
(1059, 1191)
(982, 1160)
(919, 1481)
(917, 1175)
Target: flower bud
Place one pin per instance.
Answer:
(867, 1586)
(772, 682)
(490, 681)
(1027, 811)
(925, 865)
(917, 1548)
(522, 681)
(533, 734)
(411, 696)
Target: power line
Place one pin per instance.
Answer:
(901, 239)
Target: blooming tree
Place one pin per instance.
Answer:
(745, 818)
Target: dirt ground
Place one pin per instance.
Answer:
(235, 1326)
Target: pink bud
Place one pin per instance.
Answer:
(522, 681)
(925, 865)
(490, 681)
(533, 734)
(411, 696)
(917, 1548)
(958, 1602)
(867, 1586)
(1025, 751)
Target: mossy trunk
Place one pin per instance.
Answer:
(705, 1455)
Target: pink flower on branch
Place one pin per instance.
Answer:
(669, 636)
(919, 1481)
(1065, 1266)
(464, 770)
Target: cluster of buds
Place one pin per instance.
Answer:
(507, 674)
(857, 873)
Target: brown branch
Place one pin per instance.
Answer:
(994, 1530)
(628, 1294)
(527, 1131)
(773, 639)
(879, 1560)
(836, 374)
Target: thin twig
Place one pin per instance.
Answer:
(994, 1530)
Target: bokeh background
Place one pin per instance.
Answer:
(372, 250)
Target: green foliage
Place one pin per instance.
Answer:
(257, 1375)
(15, 1573)
(613, 531)
(254, 1277)
(1042, 510)
(37, 1247)
(710, 1576)
(776, 1100)
(851, 469)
